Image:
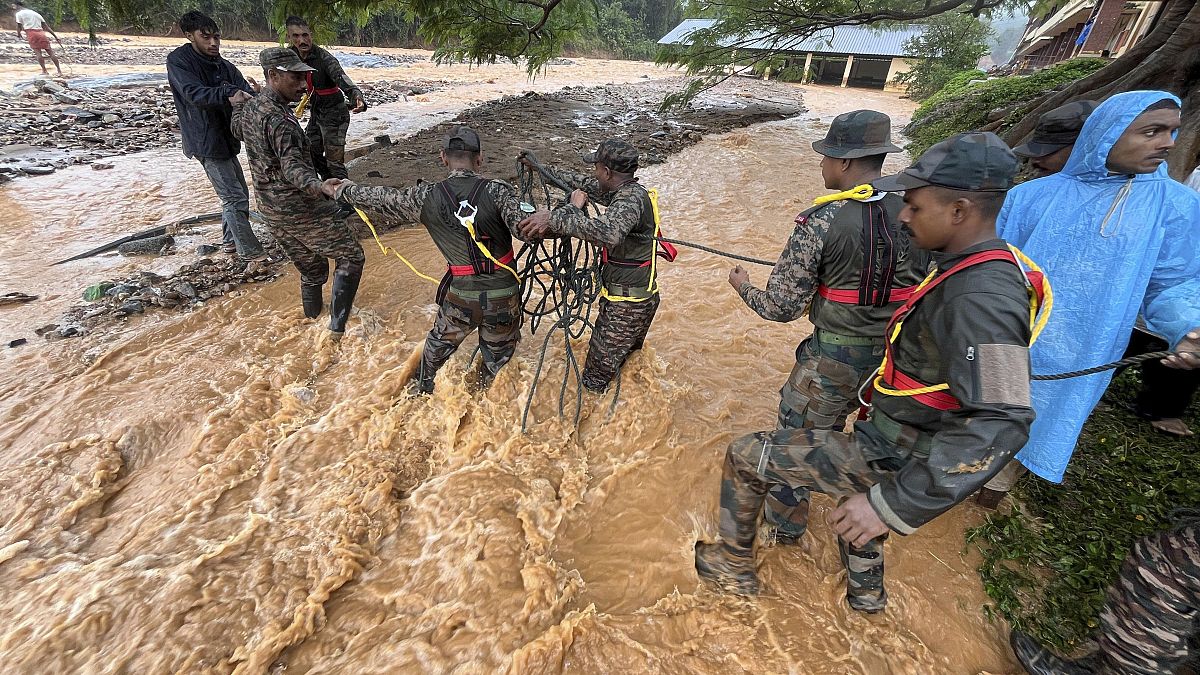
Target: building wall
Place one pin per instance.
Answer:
(899, 65)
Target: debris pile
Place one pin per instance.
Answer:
(187, 289)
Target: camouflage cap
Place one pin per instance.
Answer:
(859, 133)
(616, 154)
(1057, 129)
(976, 162)
(462, 138)
(282, 58)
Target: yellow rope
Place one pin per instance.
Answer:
(469, 223)
(861, 193)
(303, 104)
(385, 249)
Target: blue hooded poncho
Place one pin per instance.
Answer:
(1113, 246)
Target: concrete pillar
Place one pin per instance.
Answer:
(846, 75)
(807, 65)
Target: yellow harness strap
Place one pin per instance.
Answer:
(652, 287)
(385, 249)
(469, 223)
(859, 194)
(1039, 314)
(303, 104)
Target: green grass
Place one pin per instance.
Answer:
(1047, 564)
(960, 107)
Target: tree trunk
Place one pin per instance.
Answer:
(1167, 58)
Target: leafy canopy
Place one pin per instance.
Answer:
(951, 43)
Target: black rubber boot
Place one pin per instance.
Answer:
(341, 299)
(731, 572)
(311, 298)
(1038, 660)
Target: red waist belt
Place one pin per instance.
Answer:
(938, 400)
(850, 296)
(327, 92)
(469, 270)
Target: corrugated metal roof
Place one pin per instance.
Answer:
(841, 40)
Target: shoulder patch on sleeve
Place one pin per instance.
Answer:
(1003, 374)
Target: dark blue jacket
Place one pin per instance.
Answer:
(201, 87)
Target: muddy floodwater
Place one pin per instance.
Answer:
(228, 491)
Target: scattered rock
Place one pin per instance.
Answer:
(131, 307)
(374, 174)
(185, 289)
(121, 289)
(101, 166)
(206, 249)
(46, 330)
(17, 343)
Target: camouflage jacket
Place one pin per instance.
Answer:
(794, 279)
(971, 332)
(826, 248)
(404, 206)
(623, 210)
(285, 181)
(627, 210)
(329, 73)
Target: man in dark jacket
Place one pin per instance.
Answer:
(951, 406)
(328, 89)
(850, 260)
(205, 87)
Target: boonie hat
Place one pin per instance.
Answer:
(1057, 129)
(616, 154)
(975, 162)
(462, 138)
(282, 58)
(859, 133)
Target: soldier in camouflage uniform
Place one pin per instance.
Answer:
(480, 290)
(304, 222)
(1149, 617)
(328, 88)
(852, 294)
(919, 454)
(629, 298)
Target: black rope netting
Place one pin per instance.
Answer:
(560, 283)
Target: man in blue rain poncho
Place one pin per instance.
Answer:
(1117, 238)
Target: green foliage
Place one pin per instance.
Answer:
(951, 43)
(967, 108)
(953, 88)
(1046, 568)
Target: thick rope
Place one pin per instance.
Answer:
(560, 282)
(1131, 361)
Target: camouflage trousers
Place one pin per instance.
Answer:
(311, 243)
(497, 317)
(326, 133)
(830, 462)
(821, 393)
(1151, 611)
(620, 330)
